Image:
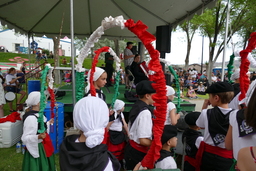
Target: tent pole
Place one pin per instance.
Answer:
(29, 51)
(225, 42)
(72, 52)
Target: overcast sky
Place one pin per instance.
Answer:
(179, 49)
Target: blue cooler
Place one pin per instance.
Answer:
(34, 85)
(57, 134)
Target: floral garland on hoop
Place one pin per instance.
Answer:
(244, 81)
(230, 67)
(48, 69)
(155, 74)
(172, 71)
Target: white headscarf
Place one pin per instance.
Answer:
(91, 115)
(119, 104)
(33, 98)
(98, 72)
(170, 90)
(235, 75)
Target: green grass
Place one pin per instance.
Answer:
(12, 161)
(4, 57)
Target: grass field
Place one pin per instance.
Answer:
(4, 57)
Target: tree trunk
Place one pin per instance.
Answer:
(209, 71)
(57, 77)
(188, 54)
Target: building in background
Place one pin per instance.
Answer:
(16, 43)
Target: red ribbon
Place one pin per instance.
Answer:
(158, 77)
(95, 61)
(244, 80)
(52, 96)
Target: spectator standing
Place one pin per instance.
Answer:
(51, 55)
(128, 59)
(109, 61)
(23, 67)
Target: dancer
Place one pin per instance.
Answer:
(86, 151)
(215, 121)
(39, 149)
(140, 125)
(99, 81)
(116, 136)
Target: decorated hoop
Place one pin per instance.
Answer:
(244, 81)
(177, 82)
(155, 74)
(117, 78)
(48, 69)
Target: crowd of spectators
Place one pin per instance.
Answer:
(192, 80)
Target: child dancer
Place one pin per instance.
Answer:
(169, 140)
(215, 121)
(86, 151)
(99, 81)
(192, 137)
(171, 116)
(116, 141)
(140, 125)
(37, 157)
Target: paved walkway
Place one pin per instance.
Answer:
(199, 103)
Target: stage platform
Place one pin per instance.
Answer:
(109, 92)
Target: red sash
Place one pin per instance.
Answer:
(191, 161)
(211, 149)
(48, 147)
(141, 148)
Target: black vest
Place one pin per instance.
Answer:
(191, 136)
(100, 94)
(218, 124)
(136, 109)
(243, 128)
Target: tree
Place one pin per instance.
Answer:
(79, 43)
(213, 26)
(189, 27)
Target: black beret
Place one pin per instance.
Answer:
(219, 87)
(169, 132)
(145, 87)
(191, 118)
(128, 43)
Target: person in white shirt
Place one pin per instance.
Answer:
(171, 116)
(215, 121)
(169, 140)
(140, 125)
(37, 156)
(239, 134)
(12, 86)
(116, 136)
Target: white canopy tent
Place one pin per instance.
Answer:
(81, 17)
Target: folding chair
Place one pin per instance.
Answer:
(131, 78)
